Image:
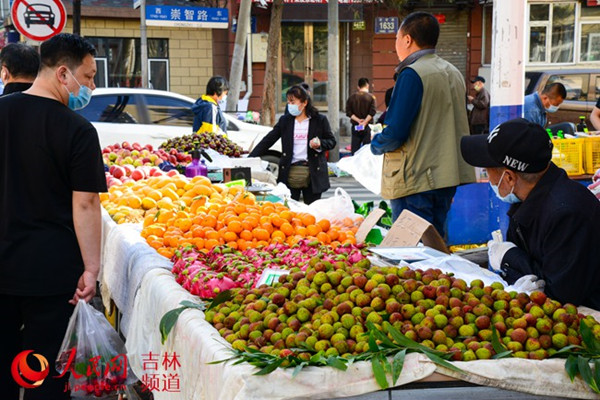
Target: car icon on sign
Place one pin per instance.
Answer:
(38, 14)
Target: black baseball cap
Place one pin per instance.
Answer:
(518, 145)
(478, 79)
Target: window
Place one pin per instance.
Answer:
(169, 111)
(158, 77)
(576, 84)
(124, 58)
(111, 108)
(486, 56)
(101, 77)
(590, 34)
(551, 32)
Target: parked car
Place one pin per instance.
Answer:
(583, 89)
(152, 117)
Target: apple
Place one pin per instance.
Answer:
(119, 172)
(149, 147)
(172, 172)
(128, 169)
(137, 175)
(112, 156)
(135, 153)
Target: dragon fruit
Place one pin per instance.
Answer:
(223, 268)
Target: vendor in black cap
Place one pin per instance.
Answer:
(554, 221)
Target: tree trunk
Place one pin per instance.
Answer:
(237, 61)
(267, 114)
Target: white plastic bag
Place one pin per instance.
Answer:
(94, 354)
(335, 208)
(365, 167)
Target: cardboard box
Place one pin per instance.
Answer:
(410, 229)
(234, 174)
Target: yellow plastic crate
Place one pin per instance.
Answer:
(568, 155)
(591, 154)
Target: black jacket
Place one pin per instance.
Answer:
(557, 231)
(16, 87)
(317, 163)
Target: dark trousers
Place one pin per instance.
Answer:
(307, 194)
(478, 129)
(44, 320)
(359, 138)
(432, 205)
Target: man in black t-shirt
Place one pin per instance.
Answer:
(50, 226)
(19, 64)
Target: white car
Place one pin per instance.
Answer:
(149, 116)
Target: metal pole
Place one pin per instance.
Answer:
(333, 75)
(508, 59)
(143, 44)
(77, 17)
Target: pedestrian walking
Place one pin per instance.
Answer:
(480, 114)
(361, 109)
(427, 117)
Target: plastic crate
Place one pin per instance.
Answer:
(568, 155)
(591, 154)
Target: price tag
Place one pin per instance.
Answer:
(270, 276)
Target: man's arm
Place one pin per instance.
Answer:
(88, 228)
(595, 118)
(568, 263)
(403, 109)
(481, 101)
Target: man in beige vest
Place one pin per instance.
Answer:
(426, 120)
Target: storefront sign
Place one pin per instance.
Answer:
(190, 17)
(441, 18)
(386, 25)
(39, 20)
(359, 26)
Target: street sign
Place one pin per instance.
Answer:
(39, 19)
(191, 17)
(386, 25)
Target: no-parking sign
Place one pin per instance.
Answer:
(39, 19)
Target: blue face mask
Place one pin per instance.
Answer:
(510, 198)
(294, 110)
(552, 109)
(82, 99)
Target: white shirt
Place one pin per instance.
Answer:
(300, 140)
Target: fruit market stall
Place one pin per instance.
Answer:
(331, 320)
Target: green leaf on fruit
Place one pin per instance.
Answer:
(440, 361)
(586, 373)
(298, 369)
(571, 367)
(270, 367)
(222, 297)
(168, 321)
(500, 350)
(379, 371)
(397, 365)
(337, 363)
(588, 338)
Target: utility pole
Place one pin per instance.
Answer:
(143, 43)
(237, 61)
(77, 17)
(509, 35)
(333, 73)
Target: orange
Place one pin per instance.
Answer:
(278, 236)
(260, 234)
(246, 235)
(210, 221)
(198, 231)
(302, 231)
(287, 228)
(239, 208)
(229, 236)
(313, 230)
(323, 238)
(242, 244)
(233, 245)
(235, 226)
(286, 214)
(262, 243)
(268, 227)
(199, 242)
(276, 220)
(210, 243)
(211, 234)
(333, 233)
(308, 219)
(342, 236)
(324, 224)
(184, 224)
(163, 251)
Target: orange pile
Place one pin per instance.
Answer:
(132, 201)
(240, 224)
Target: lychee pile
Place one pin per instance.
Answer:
(327, 306)
(203, 140)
